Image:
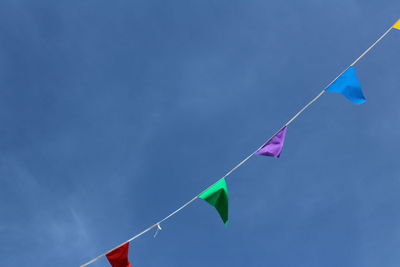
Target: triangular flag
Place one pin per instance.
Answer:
(349, 86)
(217, 196)
(397, 25)
(274, 146)
(119, 256)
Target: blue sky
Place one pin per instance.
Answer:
(114, 113)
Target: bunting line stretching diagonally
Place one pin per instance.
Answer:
(348, 88)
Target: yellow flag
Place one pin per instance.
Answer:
(397, 25)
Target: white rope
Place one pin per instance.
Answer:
(372, 46)
(246, 159)
(305, 107)
(314, 99)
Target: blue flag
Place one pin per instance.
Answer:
(349, 86)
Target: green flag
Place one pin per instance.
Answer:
(217, 196)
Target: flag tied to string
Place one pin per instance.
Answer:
(349, 86)
(217, 196)
(119, 256)
(274, 146)
(397, 25)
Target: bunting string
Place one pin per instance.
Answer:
(157, 224)
(372, 46)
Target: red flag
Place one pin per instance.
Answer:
(119, 256)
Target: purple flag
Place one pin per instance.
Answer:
(274, 146)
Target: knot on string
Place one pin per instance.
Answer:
(157, 230)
